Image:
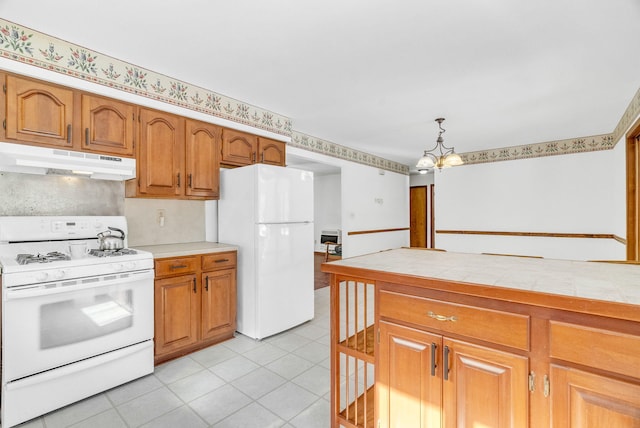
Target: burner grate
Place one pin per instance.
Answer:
(25, 259)
(112, 253)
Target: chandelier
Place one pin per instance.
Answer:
(440, 156)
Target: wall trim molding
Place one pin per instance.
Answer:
(366, 232)
(537, 234)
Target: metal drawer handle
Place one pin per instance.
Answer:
(221, 260)
(442, 317)
(177, 267)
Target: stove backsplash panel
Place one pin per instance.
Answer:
(27, 194)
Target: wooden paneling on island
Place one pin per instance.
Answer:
(471, 339)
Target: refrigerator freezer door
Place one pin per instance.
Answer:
(285, 272)
(283, 194)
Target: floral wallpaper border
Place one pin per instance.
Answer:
(34, 48)
(31, 47)
(549, 148)
(560, 147)
(328, 148)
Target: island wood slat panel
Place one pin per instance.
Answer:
(352, 343)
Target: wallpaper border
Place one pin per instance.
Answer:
(32, 47)
(318, 145)
(25, 45)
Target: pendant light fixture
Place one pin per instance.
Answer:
(440, 156)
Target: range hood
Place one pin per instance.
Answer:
(42, 160)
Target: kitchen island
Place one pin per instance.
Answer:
(435, 338)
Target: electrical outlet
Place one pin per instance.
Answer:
(161, 217)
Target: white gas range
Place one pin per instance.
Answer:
(75, 322)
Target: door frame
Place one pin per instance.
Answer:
(633, 190)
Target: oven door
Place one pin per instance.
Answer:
(51, 324)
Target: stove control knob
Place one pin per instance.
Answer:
(130, 265)
(59, 274)
(117, 267)
(41, 276)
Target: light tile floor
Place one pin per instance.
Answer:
(282, 381)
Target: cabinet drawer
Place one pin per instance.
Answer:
(498, 327)
(219, 261)
(178, 265)
(604, 349)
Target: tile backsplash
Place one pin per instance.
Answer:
(184, 221)
(37, 195)
(30, 194)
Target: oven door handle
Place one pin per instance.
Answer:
(42, 290)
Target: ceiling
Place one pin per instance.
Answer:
(373, 75)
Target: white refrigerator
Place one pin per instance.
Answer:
(267, 211)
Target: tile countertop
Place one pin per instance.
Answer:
(185, 249)
(609, 282)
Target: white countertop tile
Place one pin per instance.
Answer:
(186, 249)
(610, 282)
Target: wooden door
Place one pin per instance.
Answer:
(409, 378)
(39, 113)
(418, 224)
(271, 152)
(177, 317)
(581, 399)
(218, 303)
(202, 147)
(161, 155)
(633, 193)
(108, 125)
(238, 148)
(484, 387)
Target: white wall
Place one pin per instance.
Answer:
(327, 205)
(421, 179)
(371, 199)
(580, 193)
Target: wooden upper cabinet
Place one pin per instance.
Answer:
(107, 125)
(238, 148)
(39, 113)
(202, 148)
(271, 151)
(161, 154)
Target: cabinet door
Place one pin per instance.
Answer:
(409, 382)
(218, 303)
(584, 400)
(39, 113)
(161, 154)
(108, 125)
(484, 387)
(202, 159)
(238, 148)
(176, 313)
(271, 151)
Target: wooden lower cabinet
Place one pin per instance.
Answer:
(409, 383)
(218, 303)
(195, 303)
(176, 313)
(427, 380)
(484, 387)
(581, 399)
